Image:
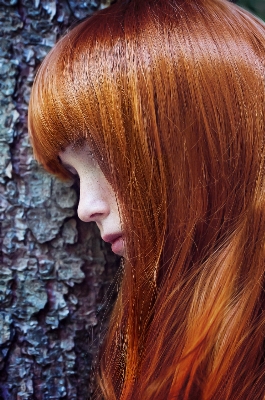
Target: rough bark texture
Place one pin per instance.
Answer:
(55, 270)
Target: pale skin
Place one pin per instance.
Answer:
(97, 200)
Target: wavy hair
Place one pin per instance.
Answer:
(170, 96)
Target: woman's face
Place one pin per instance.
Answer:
(97, 199)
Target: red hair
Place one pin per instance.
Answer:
(170, 97)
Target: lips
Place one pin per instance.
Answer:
(111, 238)
(116, 240)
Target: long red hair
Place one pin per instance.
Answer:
(170, 96)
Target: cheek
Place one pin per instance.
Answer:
(113, 202)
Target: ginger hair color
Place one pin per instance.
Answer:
(170, 97)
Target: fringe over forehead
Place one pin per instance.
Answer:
(78, 95)
(121, 80)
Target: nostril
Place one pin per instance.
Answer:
(95, 211)
(96, 215)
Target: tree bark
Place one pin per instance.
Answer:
(55, 271)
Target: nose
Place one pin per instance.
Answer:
(92, 205)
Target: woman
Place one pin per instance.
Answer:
(158, 106)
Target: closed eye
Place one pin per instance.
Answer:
(70, 169)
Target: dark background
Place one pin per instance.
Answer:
(255, 6)
(56, 275)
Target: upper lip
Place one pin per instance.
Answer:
(111, 238)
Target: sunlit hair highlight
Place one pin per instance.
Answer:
(170, 97)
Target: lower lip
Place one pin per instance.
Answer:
(118, 246)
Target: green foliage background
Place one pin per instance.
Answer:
(255, 6)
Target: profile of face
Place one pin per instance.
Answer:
(97, 201)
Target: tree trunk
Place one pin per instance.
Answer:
(55, 271)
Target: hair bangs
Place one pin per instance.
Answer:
(73, 99)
